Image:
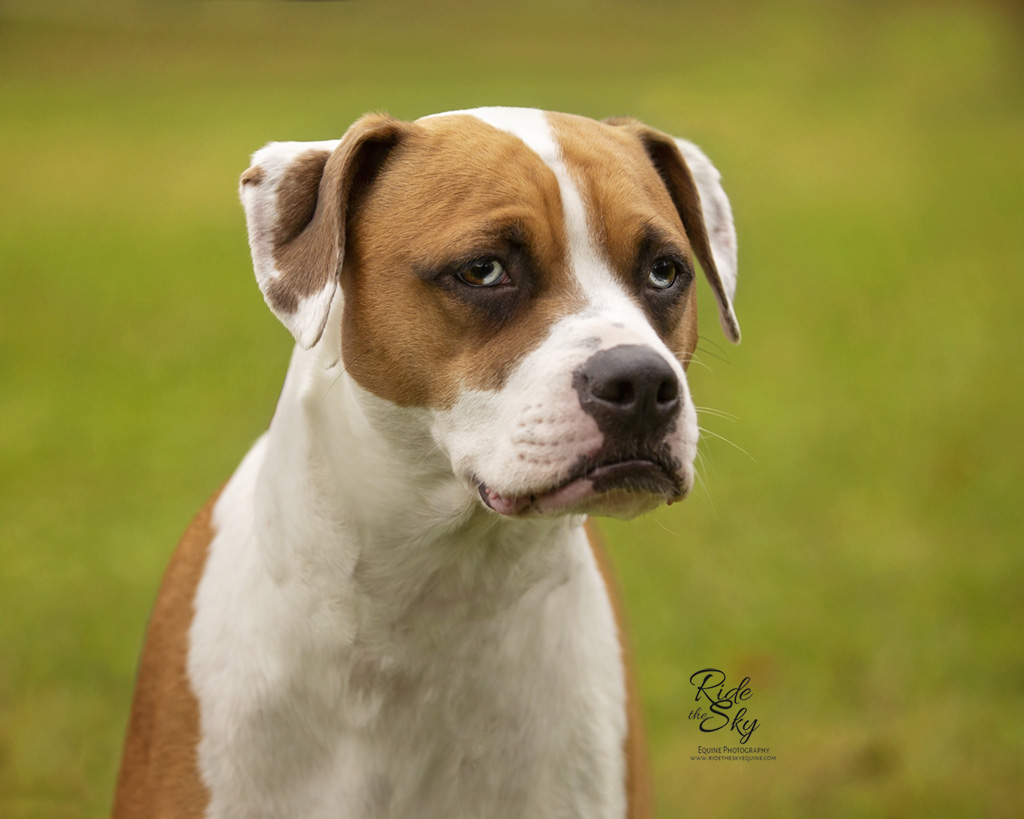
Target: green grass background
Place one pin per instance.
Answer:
(855, 546)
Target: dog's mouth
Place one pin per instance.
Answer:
(629, 484)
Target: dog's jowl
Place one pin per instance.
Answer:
(393, 608)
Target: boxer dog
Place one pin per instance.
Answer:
(393, 607)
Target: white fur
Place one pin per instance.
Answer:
(366, 636)
(368, 639)
(527, 436)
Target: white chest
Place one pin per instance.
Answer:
(452, 712)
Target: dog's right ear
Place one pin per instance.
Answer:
(696, 189)
(296, 197)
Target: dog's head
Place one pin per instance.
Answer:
(525, 278)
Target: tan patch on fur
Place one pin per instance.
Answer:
(453, 189)
(254, 176)
(297, 195)
(684, 340)
(626, 196)
(678, 179)
(639, 787)
(313, 201)
(159, 778)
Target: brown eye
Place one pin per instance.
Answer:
(485, 273)
(663, 274)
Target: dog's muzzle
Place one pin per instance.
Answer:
(634, 396)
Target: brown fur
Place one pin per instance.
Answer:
(297, 195)
(313, 201)
(396, 203)
(450, 189)
(625, 197)
(254, 176)
(675, 173)
(453, 189)
(159, 778)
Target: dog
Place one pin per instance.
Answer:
(393, 608)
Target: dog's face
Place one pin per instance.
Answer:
(527, 279)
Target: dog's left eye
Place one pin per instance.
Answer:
(485, 273)
(663, 274)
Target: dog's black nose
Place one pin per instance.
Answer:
(631, 391)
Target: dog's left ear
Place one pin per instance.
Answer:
(696, 189)
(296, 197)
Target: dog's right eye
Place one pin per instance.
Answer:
(663, 274)
(484, 273)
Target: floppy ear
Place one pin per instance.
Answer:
(696, 189)
(296, 197)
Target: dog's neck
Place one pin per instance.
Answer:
(373, 513)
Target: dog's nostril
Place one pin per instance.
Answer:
(614, 390)
(668, 391)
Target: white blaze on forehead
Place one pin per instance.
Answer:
(533, 128)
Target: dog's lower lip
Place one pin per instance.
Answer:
(503, 505)
(638, 474)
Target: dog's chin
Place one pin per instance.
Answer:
(623, 489)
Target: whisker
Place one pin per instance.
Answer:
(704, 492)
(704, 462)
(728, 416)
(719, 353)
(704, 459)
(706, 431)
(695, 359)
(660, 523)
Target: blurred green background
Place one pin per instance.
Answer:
(855, 545)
